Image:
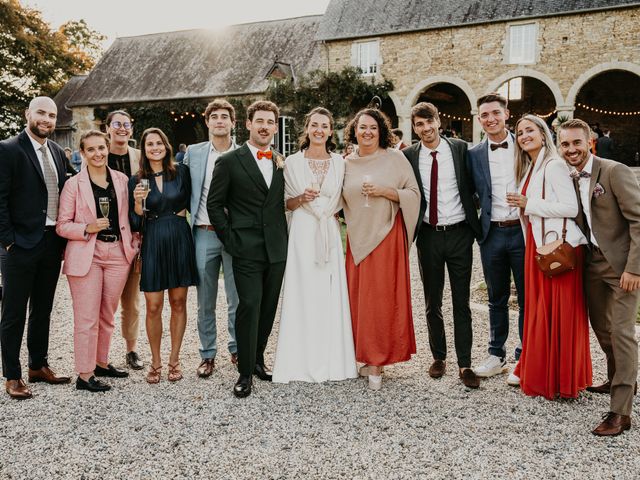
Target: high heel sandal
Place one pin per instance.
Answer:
(153, 375)
(175, 373)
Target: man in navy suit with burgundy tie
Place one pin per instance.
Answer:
(491, 164)
(32, 174)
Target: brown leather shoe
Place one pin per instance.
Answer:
(234, 358)
(606, 388)
(469, 378)
(206, 368)
(437, 368)
(613, 424)
(17, 389)
(45, 374)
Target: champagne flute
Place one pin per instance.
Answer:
(145, 188)
(315, 184)
(366, 179)
(509, 191)
(104, 206)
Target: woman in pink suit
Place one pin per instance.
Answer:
(94, 217)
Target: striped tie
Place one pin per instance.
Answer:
(51, 182)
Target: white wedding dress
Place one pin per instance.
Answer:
(315, 342)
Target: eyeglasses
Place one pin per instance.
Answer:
(117, 125)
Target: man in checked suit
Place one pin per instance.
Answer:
(246, 208)
(32, 174)
(220, 117)
(447, 227)
(610, 219)
(491, 164)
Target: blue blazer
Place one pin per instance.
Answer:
(478, 166)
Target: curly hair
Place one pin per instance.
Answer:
(384, 127)
(262, 105)
(304, 141)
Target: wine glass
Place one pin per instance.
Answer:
(510, 189)
(145, 188)
(104, 206)
(366, 179)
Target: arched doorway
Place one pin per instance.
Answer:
(454, 108)
(528, 95)
(611, 101)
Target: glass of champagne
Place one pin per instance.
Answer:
(145, 188)
(366, 179)
(104, 206)
(510, 190)
(315, 184)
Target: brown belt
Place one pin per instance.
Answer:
(506, 223)
(206, 227)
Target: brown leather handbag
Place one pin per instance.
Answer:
(558, 256)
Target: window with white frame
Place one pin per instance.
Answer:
(522, 43)
(511, 89)
(366, 56)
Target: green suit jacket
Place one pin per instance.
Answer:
(249, 217)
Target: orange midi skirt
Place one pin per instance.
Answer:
(380, 298)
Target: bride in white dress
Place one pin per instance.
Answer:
(315, 343)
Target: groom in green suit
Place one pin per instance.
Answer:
(246, 208)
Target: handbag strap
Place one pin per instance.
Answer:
(564, 223)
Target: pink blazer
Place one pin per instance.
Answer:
(78, 209)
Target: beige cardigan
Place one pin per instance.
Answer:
(367, 227)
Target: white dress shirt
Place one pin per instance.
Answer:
(584, 184)
(37, 147)
(202, 216)
(503, 180)
(265, 165)
(450, 208)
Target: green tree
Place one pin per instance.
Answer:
(343, 93)
(37, 60)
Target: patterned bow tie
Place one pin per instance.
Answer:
(262, 154)
(580, 174)
(495, 146)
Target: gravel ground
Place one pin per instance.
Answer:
(416, 427)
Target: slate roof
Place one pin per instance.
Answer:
(364, 18)
(65, 115)
(200, 63)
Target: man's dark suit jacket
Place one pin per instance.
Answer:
(478, 166)
(465, 184)
(604, 147)
(248, 217)
(23, 192)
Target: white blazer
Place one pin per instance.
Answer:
(560, 202)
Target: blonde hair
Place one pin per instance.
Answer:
(522, 160)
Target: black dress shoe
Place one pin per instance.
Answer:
(242, 388)
(92, 385)
(133, 360)
(262, 373)
(110, 371)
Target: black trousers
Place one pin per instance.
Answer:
(258, 285)
(454, 249)
(29, 276)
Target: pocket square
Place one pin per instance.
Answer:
(598, 190)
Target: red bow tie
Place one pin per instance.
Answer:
(262, 154)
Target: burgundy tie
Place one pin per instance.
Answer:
(433, 191)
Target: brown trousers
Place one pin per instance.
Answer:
(130, 302)
(613, 317)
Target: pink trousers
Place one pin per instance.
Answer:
(95, 301)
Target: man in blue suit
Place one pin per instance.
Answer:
(210, 253)
(491, 164)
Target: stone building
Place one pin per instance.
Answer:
(551, 57)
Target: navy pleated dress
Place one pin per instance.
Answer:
(168, 252)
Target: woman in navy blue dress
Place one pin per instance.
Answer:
(168, 254)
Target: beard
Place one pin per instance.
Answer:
(39, 132)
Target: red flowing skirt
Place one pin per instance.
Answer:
(555, 360)
(380, 298)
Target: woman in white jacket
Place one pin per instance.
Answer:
(555, 358)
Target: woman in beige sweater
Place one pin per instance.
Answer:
(381, 205)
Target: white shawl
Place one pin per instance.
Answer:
(297, 177)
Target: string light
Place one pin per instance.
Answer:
(607, 112)
(454, 117)
(544, 117)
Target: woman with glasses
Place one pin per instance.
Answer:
(93, 216)
(168, 252)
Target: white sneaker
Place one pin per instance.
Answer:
(513, 380)
(491, 366)
(375, 382)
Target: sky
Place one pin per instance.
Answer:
(117, 18)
